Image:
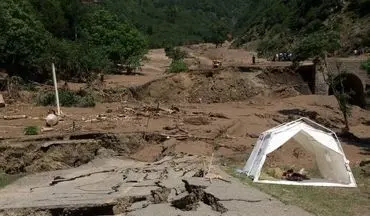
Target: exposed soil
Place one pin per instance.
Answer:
(291, 154)
(222, 85)
(40, 155)
(152, 115)
(231, 135)
(282, 79)
(199, 112)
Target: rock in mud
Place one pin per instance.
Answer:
(160, 195)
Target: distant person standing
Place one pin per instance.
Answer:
(254, 59)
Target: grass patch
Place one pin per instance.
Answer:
(31, 130)
(323, 201)
(67, 98)
(6, 179)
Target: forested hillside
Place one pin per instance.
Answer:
(82, 37)
(79, 38)
(179, 21)
(279, 25)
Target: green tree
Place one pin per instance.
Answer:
(73, 13)
(218, 33)
(316, 45)
(121, 42)
(174, 53)
(22, 37)
(180, 21)
(52, 15)
(178, 66)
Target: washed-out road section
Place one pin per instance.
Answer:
(126, 187)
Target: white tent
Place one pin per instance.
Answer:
(320, 141)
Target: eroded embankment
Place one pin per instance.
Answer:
(63, 152)
(222, 85)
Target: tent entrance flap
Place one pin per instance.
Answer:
(321, 142)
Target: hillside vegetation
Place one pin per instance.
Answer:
(278, 25)
(84, 39)
(179, 21)
(79, 38)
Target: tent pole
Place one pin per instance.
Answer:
(317, 124)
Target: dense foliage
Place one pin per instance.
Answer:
(67, 98)
(83, 38)
(181, 21)
(177, 63)
(316, 45)
(79, 38)
(23, 38)
(280, 24)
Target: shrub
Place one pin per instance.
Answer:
(87, 101)
(178, 66)
(270, 46)
(29, 87)
(31, 130)
(67, 98)
(316, 45)
(366, 66)
(175, 53)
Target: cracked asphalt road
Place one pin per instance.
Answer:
(134, 188)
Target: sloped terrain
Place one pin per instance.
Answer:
(184, 116)
(222, 85)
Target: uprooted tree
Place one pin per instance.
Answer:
(317, 45)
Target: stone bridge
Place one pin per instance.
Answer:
(355, 79)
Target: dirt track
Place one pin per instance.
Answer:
(197, 113)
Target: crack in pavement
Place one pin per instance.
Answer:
(115, 188)
(241, 200)
(59, 179)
